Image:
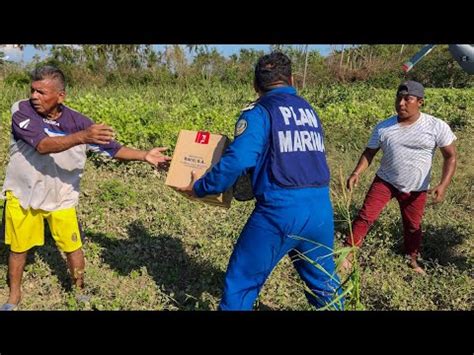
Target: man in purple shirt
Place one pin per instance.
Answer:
(48, 149)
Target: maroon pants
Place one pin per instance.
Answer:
(412, 206)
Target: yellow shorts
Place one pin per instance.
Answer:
(24, 229)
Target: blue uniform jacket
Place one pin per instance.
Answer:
(248, 153)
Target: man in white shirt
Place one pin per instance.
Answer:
(408, 141)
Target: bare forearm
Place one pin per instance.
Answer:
(128, 154)
(362, 164)
(365, 160)
(59, 144)
(449, 167)
(449, 164)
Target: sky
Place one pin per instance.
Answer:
(229, 49)
(14, 54)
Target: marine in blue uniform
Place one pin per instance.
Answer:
(279, 142)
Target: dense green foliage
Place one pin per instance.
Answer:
(377, 65)
(150, 248)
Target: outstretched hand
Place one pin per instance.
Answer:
(188, 190)
(156, 158)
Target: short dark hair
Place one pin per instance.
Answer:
(272, 69)
(49, 72)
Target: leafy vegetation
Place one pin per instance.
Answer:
(376, 65)
(149, 248)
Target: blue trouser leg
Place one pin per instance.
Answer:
(317, 268)
(324, 285)
(255, 254)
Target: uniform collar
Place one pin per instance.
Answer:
(282, 90)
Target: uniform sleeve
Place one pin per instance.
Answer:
(374, 140)
(445, 135)
(251, 138)
(28, 129)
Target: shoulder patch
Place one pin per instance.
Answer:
(240, 127)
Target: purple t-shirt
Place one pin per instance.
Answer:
(30, 127)
(47, 181)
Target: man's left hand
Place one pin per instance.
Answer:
(438, 193)
(156, 158)
(188, 190)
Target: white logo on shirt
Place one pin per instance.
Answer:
(54, 123)
(24, 124)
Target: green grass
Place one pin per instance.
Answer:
(149, 248)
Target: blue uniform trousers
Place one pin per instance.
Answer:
(291, 221)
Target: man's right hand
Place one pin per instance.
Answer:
(97, 134)
(352, 181)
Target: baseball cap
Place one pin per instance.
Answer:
(411, 87)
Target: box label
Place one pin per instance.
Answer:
(202, 137)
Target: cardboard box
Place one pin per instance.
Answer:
(198, 151)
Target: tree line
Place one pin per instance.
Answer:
(379, 65)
